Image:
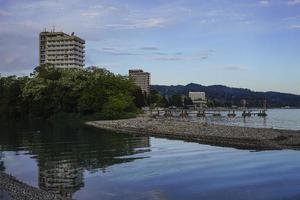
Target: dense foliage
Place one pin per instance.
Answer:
(156, 99)
(50, 91)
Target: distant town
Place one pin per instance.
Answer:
(137, 99)
(68, 51)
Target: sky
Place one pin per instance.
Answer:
(251, 44)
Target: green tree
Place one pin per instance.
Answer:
(52, 90)
(188, 101)
(163, 102)
(153, 97)
(118, 106)
(11, 102)
(176, 100)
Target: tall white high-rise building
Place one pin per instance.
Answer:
(61, 50)
(141, 79)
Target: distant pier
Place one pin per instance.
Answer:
(204, 112)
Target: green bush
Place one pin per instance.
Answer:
(50, 91)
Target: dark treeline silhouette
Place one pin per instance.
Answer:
(219, 95)
(49, 91)
(160, 100)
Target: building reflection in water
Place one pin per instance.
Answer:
(61, 177)
(2, 168)
(64, 152)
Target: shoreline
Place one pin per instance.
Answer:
(204, 133)
(13, 189)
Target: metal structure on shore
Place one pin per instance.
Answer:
(195, 111)
(203, 112)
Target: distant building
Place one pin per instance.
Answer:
(61, 50)
(198, 98)
(141, 79)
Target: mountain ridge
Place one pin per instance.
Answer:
(223, 95)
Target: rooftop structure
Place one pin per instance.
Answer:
(61, 50)
(141, 79)
(198, 98)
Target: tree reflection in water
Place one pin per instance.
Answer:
(64, 150)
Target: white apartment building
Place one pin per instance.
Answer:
(61, 50)
(141, 79)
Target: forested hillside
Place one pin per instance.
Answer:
(221, 95)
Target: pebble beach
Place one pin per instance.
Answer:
(12, 189)
(220, 135)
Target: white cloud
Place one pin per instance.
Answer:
(151, 23)
(177, 58)
(14, 54)
(295, 26)
(167, 58)
(108, 65)
(140, 23)
(114, 51)
(293, 2)
(100, 10)
(180, 56)
(232, 68)
(264, 2)
(90, 13)
(146, 48)
(4, 13)
(106, 20)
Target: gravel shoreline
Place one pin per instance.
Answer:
(12, 189)
(212, 134)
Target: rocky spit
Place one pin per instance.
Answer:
(220, 135)
(12, 189)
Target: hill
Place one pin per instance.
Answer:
(222, 95)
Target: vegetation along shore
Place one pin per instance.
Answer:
(221, 135)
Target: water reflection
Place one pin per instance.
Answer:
(277, 118)
(63, 151)
(2, 168)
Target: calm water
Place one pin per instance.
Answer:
(86, 163)
(277, 118)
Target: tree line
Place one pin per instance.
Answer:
(155, 99)
(49, 91)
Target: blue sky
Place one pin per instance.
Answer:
(240, 43)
